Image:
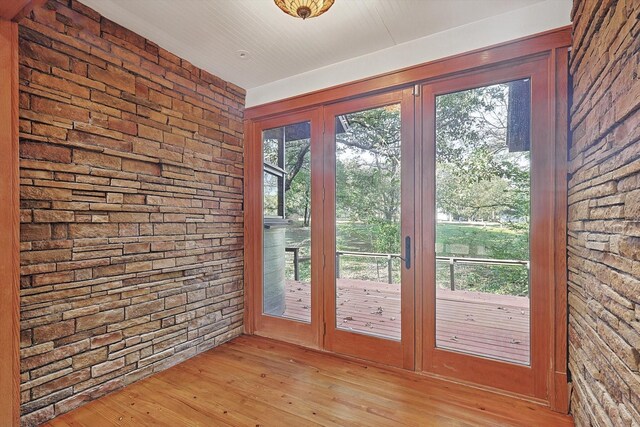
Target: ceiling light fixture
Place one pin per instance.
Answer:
(304, 8)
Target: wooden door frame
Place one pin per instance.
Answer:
(309, 334)
(394, 353)
(11, 11)
(554, 43)
(9, 227)
(533, 380)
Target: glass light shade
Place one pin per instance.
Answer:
(304, 8)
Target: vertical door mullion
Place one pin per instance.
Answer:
(316, 218)
(407, 228)
(329, 230)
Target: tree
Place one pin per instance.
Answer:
(297, 184)
(477, 176)
(368, 165)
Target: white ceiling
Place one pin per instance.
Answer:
(209, 33)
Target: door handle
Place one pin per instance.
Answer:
(407, 252)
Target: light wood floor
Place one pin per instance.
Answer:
(253, 381)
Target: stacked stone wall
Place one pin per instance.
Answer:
(604, 213)
(131, 163)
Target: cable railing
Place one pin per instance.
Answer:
(389, 258)
(452, 262)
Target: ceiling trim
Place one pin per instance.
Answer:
(506, 51)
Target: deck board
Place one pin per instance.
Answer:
(495, 326)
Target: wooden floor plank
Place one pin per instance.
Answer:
(381, 398)
(254, 381)
(319, 387)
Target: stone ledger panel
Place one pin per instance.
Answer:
(604, 214)
(131, 165)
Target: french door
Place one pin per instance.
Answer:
(412, 227)
(285, 239)
(369, 228)
(333, 228)
(486, 215)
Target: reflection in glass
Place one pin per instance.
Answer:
(483, 217)
(271, 195)
(287, 222)
(368, 222)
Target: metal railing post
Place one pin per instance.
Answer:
(528, 278)
(296, 267)
(389, 269)
(337, 265)
(452, 275)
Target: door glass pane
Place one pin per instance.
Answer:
(483, 217)
(272, 184)
(368, 222)
(287, 221)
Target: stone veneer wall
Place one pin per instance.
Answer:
(131, 208)
(604, 214)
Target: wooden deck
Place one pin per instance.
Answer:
(495, 326)
(253, 381)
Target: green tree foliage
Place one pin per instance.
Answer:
(368, 165)
(488, 199)
(478, 178)
(298, 179)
